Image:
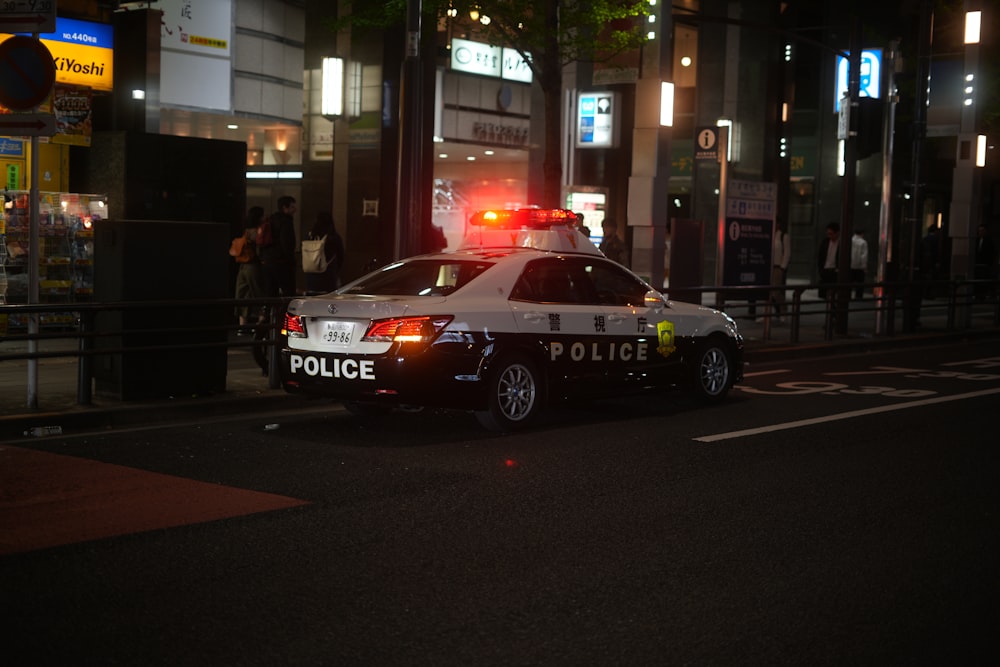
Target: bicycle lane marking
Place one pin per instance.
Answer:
(843, 415)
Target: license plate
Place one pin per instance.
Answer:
(337, 333)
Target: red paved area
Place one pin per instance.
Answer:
(48, 500)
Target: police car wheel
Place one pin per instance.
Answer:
(712, 370)
(514, 395)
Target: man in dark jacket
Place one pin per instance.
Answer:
(826, 257)
(278, 258)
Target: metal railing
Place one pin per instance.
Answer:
(958, 304)
(89, 335)
(87, 324)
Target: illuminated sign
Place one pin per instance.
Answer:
(479, 58)
(597, 120)
(83, 53)
(871, 76)
(11, 147)
(202, 28)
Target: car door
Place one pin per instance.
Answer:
(555, 308)
(641, 349)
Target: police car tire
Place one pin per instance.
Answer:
(712, 370)
(514, 396)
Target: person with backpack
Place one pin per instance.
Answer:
(323, 272)
(276, 247)
(251, 280)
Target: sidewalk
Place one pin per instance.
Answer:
(247, 390)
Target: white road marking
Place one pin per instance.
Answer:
(760, 373)
(844, 415)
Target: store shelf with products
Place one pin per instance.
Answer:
(65, 249)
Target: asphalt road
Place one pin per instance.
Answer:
(839, 510)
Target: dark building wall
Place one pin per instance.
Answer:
(164, 177)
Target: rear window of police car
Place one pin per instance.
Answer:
(419, 278)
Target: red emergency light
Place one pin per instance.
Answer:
(524, 218)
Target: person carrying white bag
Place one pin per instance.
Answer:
(322, 255)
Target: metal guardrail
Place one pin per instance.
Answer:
(80, 319)
(887, 300)
(79, 322)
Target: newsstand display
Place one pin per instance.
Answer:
(65, 256)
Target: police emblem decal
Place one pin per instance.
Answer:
(665, 338)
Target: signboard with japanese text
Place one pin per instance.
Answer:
(11, 147)
(750, 214)
(28, 16)
(72, 106)
(706, 143)
(493, 61)
(13, 177)
(196, 26)
(83, 53)
(195, 52)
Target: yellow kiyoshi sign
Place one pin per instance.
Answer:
(82, 52)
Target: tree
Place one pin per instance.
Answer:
(548, 34)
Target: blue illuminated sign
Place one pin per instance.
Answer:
(84, 33)
(871, 76)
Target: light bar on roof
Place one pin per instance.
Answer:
(524, 217)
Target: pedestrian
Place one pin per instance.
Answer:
(584, 229)
(611, 245)
(251, 280)
(781, 256)
(277, 253)
(826, 258)
(859, 261)
(333, 249)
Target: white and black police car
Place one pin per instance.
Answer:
(528, 311)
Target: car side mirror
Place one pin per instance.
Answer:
(654, 300)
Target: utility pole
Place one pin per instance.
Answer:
(885, 237)
(965, 213)
(843, 294)
(924, 40)
(409, 202)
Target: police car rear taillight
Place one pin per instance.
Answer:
(406, 329)
(293, 327)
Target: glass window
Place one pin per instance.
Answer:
(556, 280)
(418, 278)
(614, 286)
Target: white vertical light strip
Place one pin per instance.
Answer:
(973, 25)
(438, 104)
(354, 84)
(333, 87)
(666, 104)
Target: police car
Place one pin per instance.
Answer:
(525, 313)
